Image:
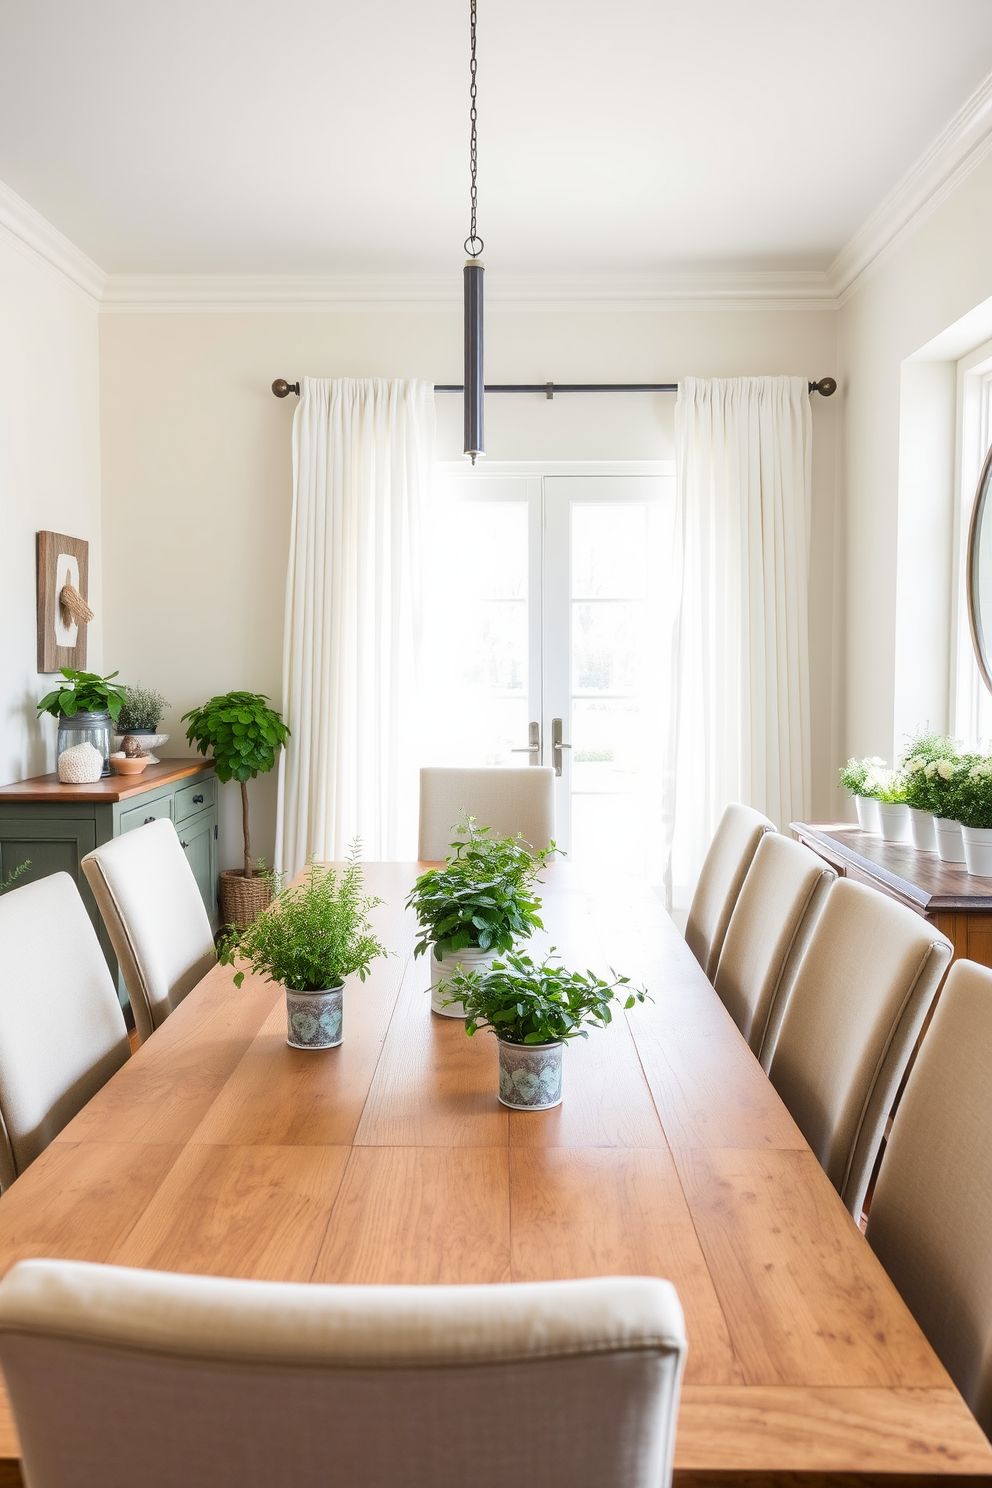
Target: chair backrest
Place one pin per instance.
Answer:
(734, 844)
(155, 918)
(509, 801)
(931, 1212)
(62, 1032)
(864, 986)
(159, 1379)
(776, 910)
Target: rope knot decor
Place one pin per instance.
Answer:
(74, 604)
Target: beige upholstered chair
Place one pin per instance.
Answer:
(864, 986)
(509, 801)
(150, 1378)
(153, 912)
(931, 1213)
(776, 910)
(62, 1032)
(734, 845)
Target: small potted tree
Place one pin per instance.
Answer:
(244, 734)
(86, 706)
(140, 717)
(533, 1008)
(477, 905)
(315, 935)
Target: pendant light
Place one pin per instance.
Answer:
(472, 278)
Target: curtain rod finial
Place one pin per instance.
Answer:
(282, 388)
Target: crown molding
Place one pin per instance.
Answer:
(942, 167)
(28, 230)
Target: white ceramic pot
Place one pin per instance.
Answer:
(530, 1075)
(314, 1019)
(470, 958)
(921, 825)
(867, 813)
(950, 844)
(978, 850)
(893, 820)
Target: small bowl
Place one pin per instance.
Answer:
(123, 766)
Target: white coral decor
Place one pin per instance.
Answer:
(80, 765)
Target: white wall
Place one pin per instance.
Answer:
(197, 474)
(49, 479)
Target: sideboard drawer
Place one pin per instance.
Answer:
(199, 796)
(139, 816)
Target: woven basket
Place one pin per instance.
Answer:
(242, 899)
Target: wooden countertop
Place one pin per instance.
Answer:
(928, 884)
(218, 1149)
(114, 788)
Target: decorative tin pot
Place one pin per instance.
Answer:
(867, 813)
(950, 844)
(471, 957)
(893, 820)
(924, 835)
(978, 850)
(313, 1019)
(530, 1075)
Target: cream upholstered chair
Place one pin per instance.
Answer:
(151, 1378)
(734, 844)
(62, 1032)
(776, 910)
(509, 801)
(863, 988)
(931, 1213)
(155, 918)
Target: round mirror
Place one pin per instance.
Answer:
(980, 573)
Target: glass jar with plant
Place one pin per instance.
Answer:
(245, 735)
(479, 903)
(314, 934)
(974, 812)
(534, 1008)
(86, 706)
(923, 749)
(141, 716)
(860, 778)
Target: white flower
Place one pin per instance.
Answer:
(913, 765)
(930, 770)
(945, 769)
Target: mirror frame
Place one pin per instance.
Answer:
(974, 606)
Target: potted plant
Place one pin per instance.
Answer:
(244, 734)
(974, 812)
(140, 716)
(944, 777)
(315, 934)
(921, 750)
(890, 799)
(86, 706)
(533, 1008)
(479, 903)
(860, 778)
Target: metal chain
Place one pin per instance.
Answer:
(473, 243)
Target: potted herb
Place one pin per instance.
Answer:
(974, 812)
(477, 905)
(944, 777)
(86, 706)
(315, 934)
(921, 750)
(890, 799)
(140, 716)
(533, 1008)
(860, 779)
(244, 734)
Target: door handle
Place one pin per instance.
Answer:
(557, 744)
(534, 747)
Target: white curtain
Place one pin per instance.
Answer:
(362, 459)
(743, 456)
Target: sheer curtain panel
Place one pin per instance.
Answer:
(743, 456)
(362, 459)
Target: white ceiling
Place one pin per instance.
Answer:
(616, 136)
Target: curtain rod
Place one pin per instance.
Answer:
(826, 387)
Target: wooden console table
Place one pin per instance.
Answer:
(956, 903)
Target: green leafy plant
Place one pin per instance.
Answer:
(142, 710)
(524, 1001)
(973, 795)
(924, 749)
(862, 777)
(84, 692)
(944, 778)
(244, 734)
(9, 879)
(483, 896)
(314, 933)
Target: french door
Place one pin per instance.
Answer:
(550, 637)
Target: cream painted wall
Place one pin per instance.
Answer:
(49, 478)
(197, 476)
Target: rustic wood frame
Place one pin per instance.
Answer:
(51, 546)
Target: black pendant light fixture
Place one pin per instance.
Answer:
(472, 276)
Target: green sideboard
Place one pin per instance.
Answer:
(56, 825)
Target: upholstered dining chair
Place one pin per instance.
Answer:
(863, 988)
(779, 904)
(152, 1378)
(509, 801)
(158, 927)
(62, 1032)
(931, 1212)
(734, 844)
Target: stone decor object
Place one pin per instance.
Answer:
(530, 1075)
(314, 1019)
(81, 764)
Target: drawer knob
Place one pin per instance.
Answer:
(197, 800)
(147, 820)
(182, 843)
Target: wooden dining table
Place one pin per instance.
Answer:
(218, 1149)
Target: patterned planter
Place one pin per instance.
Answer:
(530, 1075)
(471, 957)
(313, 1019)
